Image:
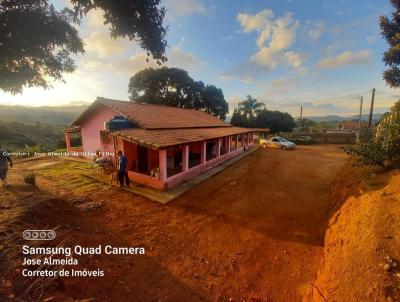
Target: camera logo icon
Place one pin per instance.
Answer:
(39, 234)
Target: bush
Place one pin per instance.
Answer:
(383, 150)
(30, 178)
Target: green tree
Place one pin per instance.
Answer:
(390, 27)
(275, 120)
(37, 41)
(238, 119)
(174, 87)
(250, 107)
(305, 124)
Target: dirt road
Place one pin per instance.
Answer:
(254, 232)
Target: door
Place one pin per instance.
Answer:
(143, 162)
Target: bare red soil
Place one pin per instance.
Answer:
(362, 238)
(254, 232)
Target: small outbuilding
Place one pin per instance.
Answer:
(164, 145)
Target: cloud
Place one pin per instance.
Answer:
(184, 60)
(316, 32)
(176, 58)
(179, 8)
(103, 45)
(135, 63)
(281, 86)
(275, 38)
(346, 58)
(95, 18)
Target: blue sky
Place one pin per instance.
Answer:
(286, 53)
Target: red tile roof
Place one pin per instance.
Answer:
(352, 125)
(149, 116)
(158, 139)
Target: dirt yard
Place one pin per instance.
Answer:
(254, 232)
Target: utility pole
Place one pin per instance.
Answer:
(359, 119)
(371, 112)
(301, 118)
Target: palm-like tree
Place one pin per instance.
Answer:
(250, 107)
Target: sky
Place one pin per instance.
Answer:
(320, 54)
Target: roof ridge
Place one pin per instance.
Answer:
(154, 105)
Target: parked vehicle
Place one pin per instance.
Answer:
(303, 140)
(278, 143)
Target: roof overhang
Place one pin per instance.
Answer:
(161, 139)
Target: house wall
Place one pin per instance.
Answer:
(175, 180)
(91, 127)
(156, 161)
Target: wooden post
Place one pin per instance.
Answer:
(203, 152)
(162, 159)
(185, 158)
(237, 141)
(371, 111)
(229, 144)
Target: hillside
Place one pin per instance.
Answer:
(55, 116)
(336, 118)
(35, 126)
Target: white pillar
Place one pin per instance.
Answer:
(203, 152)
(185, 158)
(68, 140)
(218, 147)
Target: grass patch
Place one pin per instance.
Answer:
(68, 175)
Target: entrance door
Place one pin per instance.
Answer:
(143, 162)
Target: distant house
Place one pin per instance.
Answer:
(352, 125)
(164, 145)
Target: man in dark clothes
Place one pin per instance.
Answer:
(122, 164)
(5, 159)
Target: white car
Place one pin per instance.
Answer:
(278, 143)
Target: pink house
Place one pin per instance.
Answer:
(164, 145)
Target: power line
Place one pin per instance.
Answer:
(322, 101)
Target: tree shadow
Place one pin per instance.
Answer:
(127, 278)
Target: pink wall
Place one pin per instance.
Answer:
(91, 127)
(146, 180)
(178, 178)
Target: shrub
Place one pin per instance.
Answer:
(382, 150)
(30, 178)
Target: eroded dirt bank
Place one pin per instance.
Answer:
(362, 239)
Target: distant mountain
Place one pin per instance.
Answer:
(60, 116)
(35, 126)
(335, 118)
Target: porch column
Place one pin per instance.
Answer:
(237, 141)
(218, 147)
(203, 152)
(162, 159)
(229, 144)
(68, 140)
(185, 158)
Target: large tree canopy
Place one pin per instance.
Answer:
(174, 87)
(37, 41)
(275, 120)
(390, 27)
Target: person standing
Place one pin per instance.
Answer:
(122, 164)
(5, 159)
